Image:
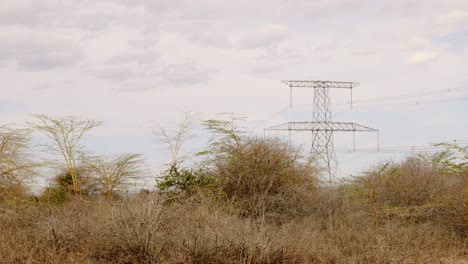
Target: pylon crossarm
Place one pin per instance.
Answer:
(320, 84)
(322, 126)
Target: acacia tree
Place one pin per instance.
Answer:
(66, 133)
(15, 161)
(175, 138)
(112, 173)
(226, 134)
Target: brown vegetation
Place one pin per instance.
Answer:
(154, 228)
(250, 201)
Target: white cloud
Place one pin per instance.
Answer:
(185, 74)
(264, 37)
(452, 21)
(421, 57)
(136, 56)
(17, 12)
(118, 73)
(36, 49)
(47, 61)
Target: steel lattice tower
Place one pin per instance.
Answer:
(322, 126)
(322, 139)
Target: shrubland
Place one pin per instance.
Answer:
(249, 200)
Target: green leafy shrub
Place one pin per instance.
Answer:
(62, 187)
(185, 180)
(55, 195)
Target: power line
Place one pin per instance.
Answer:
(359, 103)
(413, 103)
(383, 99)
(416, 103)
(406, 96)
(270, 117)
(361, 155)
(399, 149)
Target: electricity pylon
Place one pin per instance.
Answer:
(322, 126)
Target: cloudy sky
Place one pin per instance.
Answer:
(131, 62)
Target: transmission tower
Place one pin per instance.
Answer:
(322, 126)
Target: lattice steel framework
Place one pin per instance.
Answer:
(322, 126)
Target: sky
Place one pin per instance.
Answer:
(131, 63)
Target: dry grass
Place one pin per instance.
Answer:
(267, 208)
(149, 229)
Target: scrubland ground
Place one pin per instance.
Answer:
(251, 201)
(148, 228)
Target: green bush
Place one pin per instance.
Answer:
(185, 180)
(62, 187)
(55, 195)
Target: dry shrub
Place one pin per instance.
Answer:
(417, 182)
(80, 231)
(456, 201)
(13, 192)
(216, 237)
(195, 233)
(266, 177)
(132, 231)
(409, 194)
(14, 198)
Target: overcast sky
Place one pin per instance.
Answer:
(129, 62)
